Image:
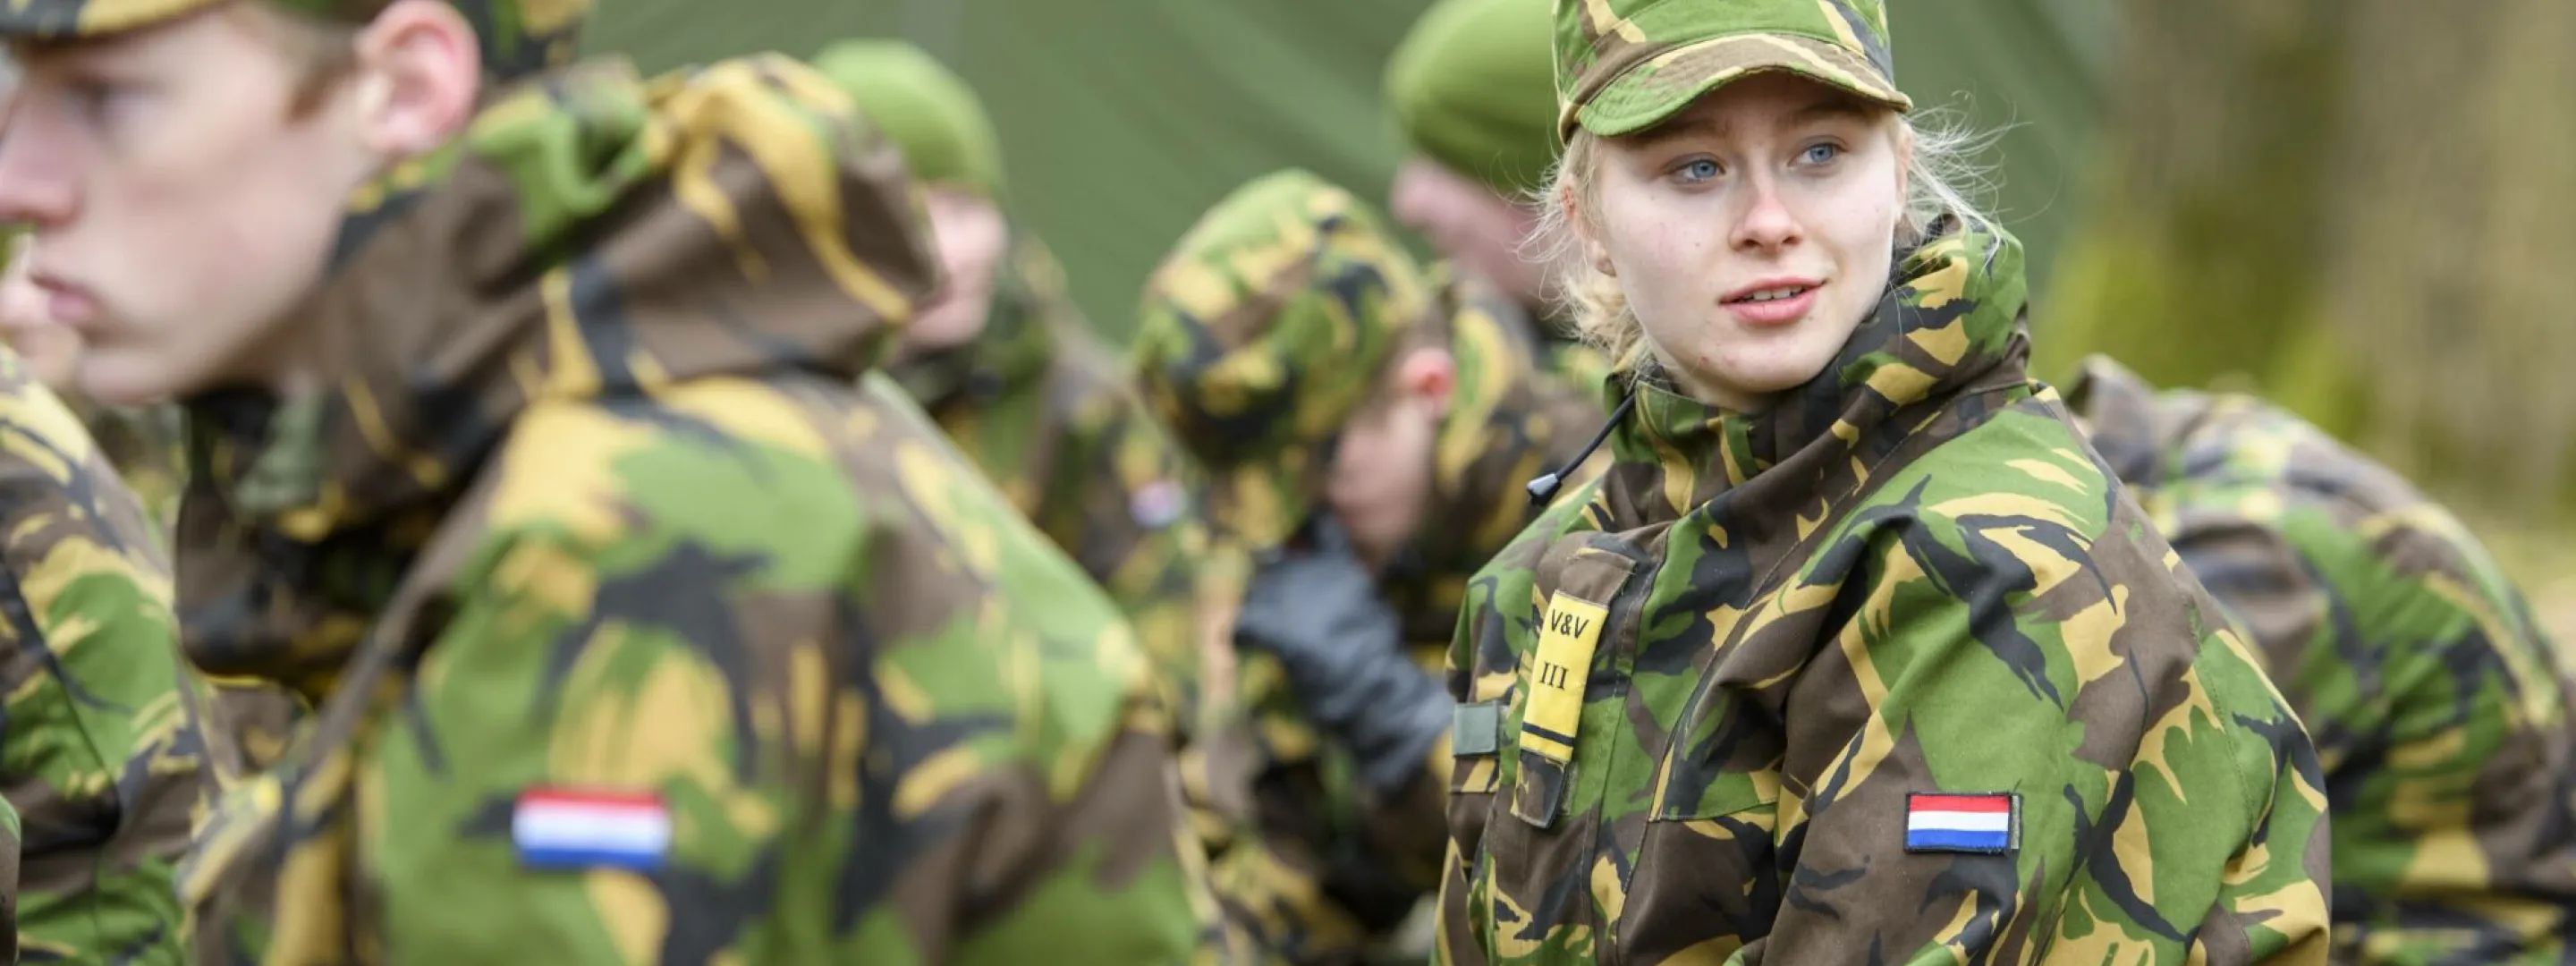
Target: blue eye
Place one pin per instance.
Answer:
(1697, 171)
(1821, 153)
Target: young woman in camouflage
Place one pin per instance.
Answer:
(530, 438)
(1855, 654)
(2438, 705)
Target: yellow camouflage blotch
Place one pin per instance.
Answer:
(1940, 286)
(2007, 505)
(570, 372)
(933, 482)
(751, 411)
(556, 583)
(2186, 717)
(1945, 345)
(670, 727)
(1901, 383)
(632, 910)
(731, 104)
(2088, 633)
(560, 469)
(2048, 472)
(925, 784)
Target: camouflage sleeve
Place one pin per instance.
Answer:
(97, 755)
(830, 732)
(1953, 676)
(2440, 709)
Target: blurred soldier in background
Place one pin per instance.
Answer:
(1369, 440)
(1019, 381)
(2438, 707)
(528, 437)
(1471, 88)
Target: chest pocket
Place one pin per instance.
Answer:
(1725, 757)
(1557, 684)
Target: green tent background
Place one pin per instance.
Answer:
(1122, 121)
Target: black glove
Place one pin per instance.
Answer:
(1316, 609)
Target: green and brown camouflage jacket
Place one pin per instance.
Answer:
(641, 627)
(1890, 672)
(98, 757)
(2438, 706)
(1051, 416)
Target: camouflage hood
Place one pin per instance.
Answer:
(574, 243)
(1949, 323)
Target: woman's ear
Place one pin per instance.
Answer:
(1570, 202)
(419, 70)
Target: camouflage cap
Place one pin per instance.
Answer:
(518, 36)
(928, 111)
(1262, 333)
(1623, 66)
(1471, 87)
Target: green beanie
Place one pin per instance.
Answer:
(1472, 86)
(921, 105)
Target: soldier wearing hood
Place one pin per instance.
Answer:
(1017, 379)
(1367, 439)
(1469, 90)
(2438, 705)
(1855, 653)
(529, 440)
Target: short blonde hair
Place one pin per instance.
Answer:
(1941, 175)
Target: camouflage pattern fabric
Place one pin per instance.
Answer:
(1509, 420)
(1623, 66)
(145, 445)
(1699, 695)
(98, 760)
(1052, 417)
(598, 513)
(1270, 323)
(517, 36)
(2438, 706)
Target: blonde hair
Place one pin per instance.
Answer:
(1942, 177)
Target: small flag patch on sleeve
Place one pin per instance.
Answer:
(564, 829)
(1979, 824)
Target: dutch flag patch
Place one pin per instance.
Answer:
(563, 829)
(1978, 824)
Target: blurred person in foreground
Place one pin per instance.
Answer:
(1017, 379)
(528, 439)
(1470, 89)
(99, 761)
(1855, 653)
(234, 725)
(2438, 706)
(1367, 440)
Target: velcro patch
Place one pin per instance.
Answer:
(1987, 823)
(1476, 729)
(567, 829)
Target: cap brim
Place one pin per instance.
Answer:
(77, 19)
(1656, 89)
